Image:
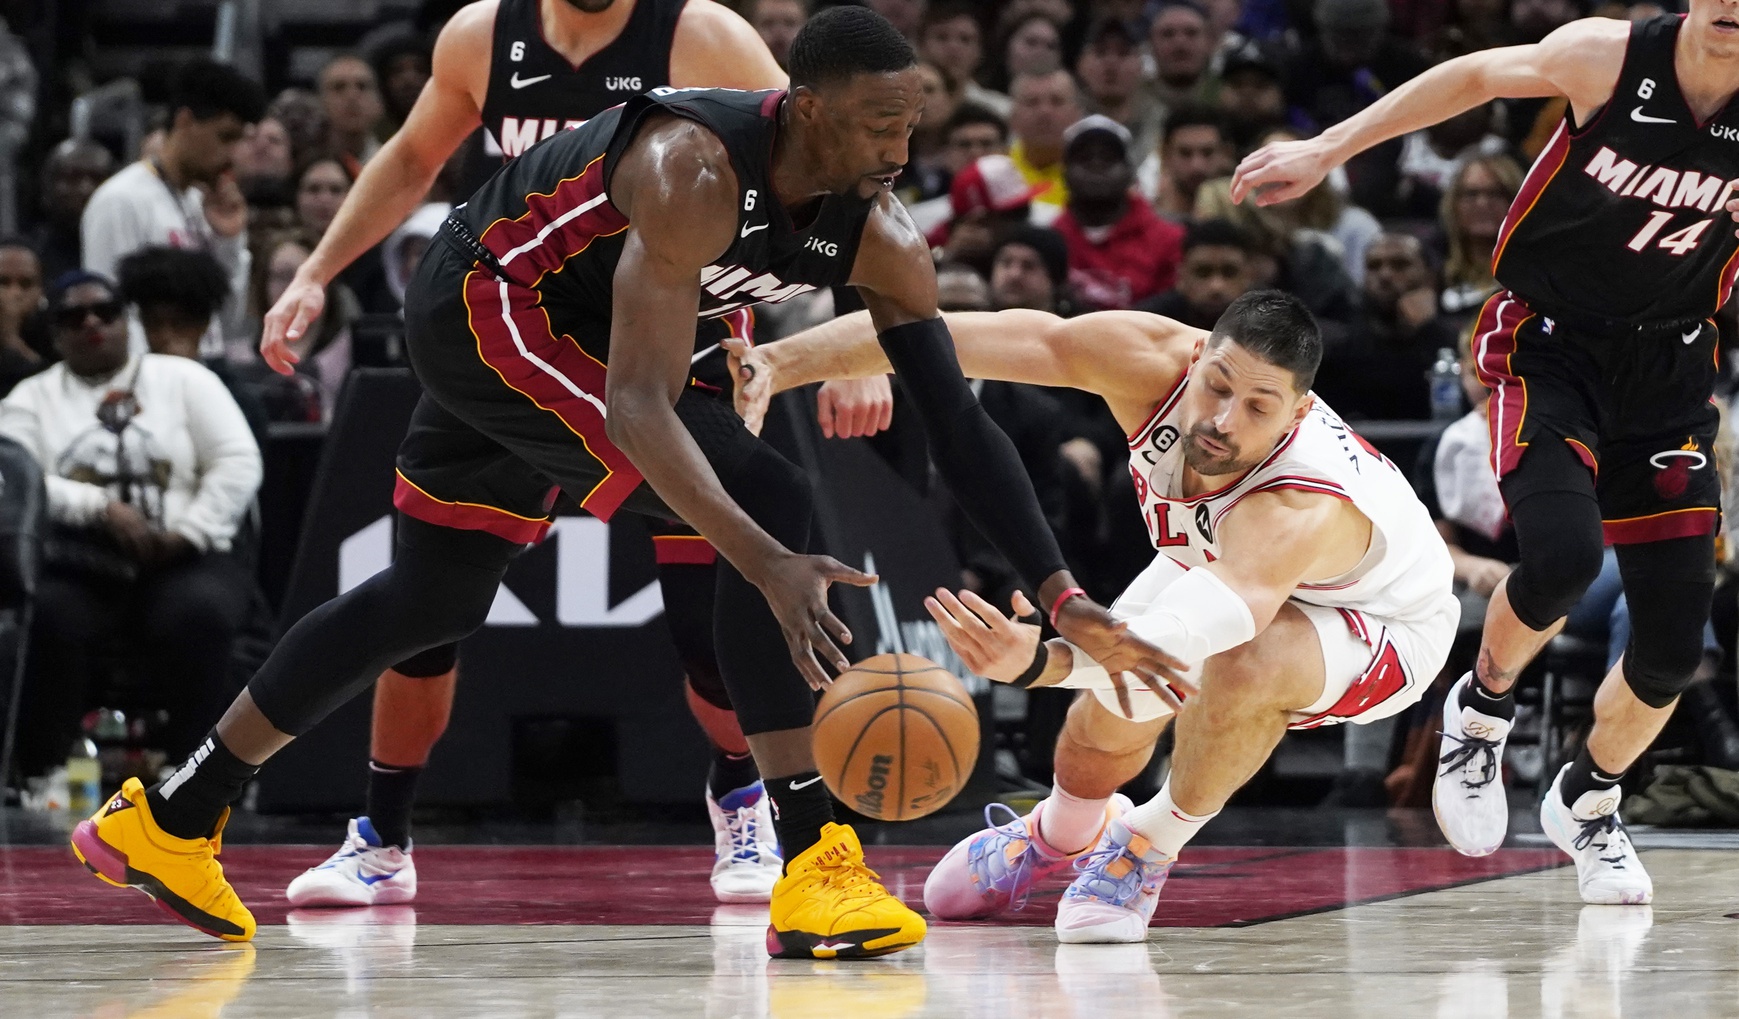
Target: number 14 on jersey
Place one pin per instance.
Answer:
(1679, 242)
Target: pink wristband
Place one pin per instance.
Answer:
(1057, 605)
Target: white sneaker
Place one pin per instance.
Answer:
(1608, 872)
(362, 873)
(1468, 795)
(746, 861)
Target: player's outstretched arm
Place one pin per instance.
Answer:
(395, 181)
(1581, 61)
(898, 282)
(677, 188)
(1129, 358)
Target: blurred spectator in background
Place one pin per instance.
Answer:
(1287, 255)
(176, 293)
(777, 22)
(1194, 148)
(72, 173)
(186, 197)
(1464, 495)
(971, 131)
(953, 39)
(959, 287)
(926, 176)
(1031, 270)
(1253, 96)
(1180, 40)
(321, 184)
(1354, 61)
(304, 120)
(263, 166)
(1030, 44)
(989, 199)
(904, 15)
(1430, 158)
(151, 470)
(1120, 251)
(1217, 269)
(1044, 106)
(1472, 216)
(21, 302)
(1473, 25)
(324, 347)
(401, 68)
(18, 81)
(404, 247)
(1325, 213)
(1109, 69)
(350, 97)
(1377, 368)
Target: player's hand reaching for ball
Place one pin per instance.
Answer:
(296, 308)
(796, 590)
(991, 644)
(1281, 171)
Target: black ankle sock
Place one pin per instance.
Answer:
(391, 793)
(1584, 776)
(188, 803)
(801, 807)
(730, 772)
(1498, 705)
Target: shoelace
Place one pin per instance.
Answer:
(1096, 863)
(744, 834)
(852, 880)
(1464, 754)
(1612, 834)
(1014, 828)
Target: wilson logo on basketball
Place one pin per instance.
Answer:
(870, 801)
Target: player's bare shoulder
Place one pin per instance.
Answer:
(1584, 59)
(463, 49)
(1139, 357)
(675, 177)
(715, 48)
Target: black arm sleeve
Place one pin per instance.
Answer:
(978, 461)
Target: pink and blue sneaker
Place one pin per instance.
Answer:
(996, 869)
(1114, 892)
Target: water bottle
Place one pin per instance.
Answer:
(84, 774)
(1445, 381)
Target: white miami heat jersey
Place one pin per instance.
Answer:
(1406, 572)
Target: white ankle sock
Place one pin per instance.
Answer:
(1070, 823)
(1161, 822)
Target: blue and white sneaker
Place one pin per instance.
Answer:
(746, 861)
(362, 873)
(995, 869)
(1115, 891)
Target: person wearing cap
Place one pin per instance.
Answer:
(1253, 94)
(151, 469)
(1120, 251)
(1044, 107)
(1354, 61)
(1109, 69)
(987, 199)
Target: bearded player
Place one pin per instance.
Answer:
(1601, 359)
(1298, 576)
(525, 69)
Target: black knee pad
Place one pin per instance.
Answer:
(436, 661)
(1668, 586)
(1562, 544)
(688, 610)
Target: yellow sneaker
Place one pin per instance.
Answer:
(830, 906)
(121, 844)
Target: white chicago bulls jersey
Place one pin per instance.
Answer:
(1406, 573)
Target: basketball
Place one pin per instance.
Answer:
(896, 737)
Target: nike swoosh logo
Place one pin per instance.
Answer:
(804, 785)
(747, 229)
(1643, 118)
(517, 82)
(369, 879)
(1691, 336)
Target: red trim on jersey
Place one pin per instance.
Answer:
(1724, 288)
(1495, 335)
(771, 103)
(515, 338)
(1385, 677)
(1160, 410)
(1355, 621)
(683, 549)
(1586, 455)
(1533, 186)
(1683, 523)
(412, 501)
(1227, 487)
(554, 228)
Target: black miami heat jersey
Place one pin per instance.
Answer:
(1623, 219)
(547, 222)
(535, 92)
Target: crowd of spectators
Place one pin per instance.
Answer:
(1075, 156)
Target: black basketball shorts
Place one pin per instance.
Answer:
(1633, 403)
(513, 409)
